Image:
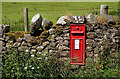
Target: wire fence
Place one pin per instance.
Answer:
(15, 24)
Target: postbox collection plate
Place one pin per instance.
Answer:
(77, 44)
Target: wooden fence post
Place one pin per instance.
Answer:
(26, 19)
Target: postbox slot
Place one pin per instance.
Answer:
(77, 32)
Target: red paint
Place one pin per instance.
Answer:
(77, 49)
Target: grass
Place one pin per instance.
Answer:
(49, 10)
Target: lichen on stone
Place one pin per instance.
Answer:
(15, 35)
(26, 32)
(58, 30)
(44, 34)
(19, 34)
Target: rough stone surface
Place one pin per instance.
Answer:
(36, 24)
(4, 29)
(91, 18)
(99, 40)
(46, 24)
(61, 21)
(65, 20)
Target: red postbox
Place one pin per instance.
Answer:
(77, 44)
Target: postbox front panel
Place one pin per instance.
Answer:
(77, 44)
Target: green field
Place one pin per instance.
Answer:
(12, 12)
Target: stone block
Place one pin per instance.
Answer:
(46, 24)
(91, 35)
(36, 25)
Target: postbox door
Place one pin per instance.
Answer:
(77, 50)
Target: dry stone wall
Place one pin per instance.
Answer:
(100, 40)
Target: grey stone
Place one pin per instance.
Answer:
(4, 29)
(91, 18)
(29, 45)
(66, 38)
(50, 51)
(24, 43)
(98, 31)
(51, 31)
(51, 39)
(89, 44)
(89, 41)
(36, 25)
(33, 50)
(89, 49)
(96, 27)
(59, 38)
(63, 59)
(117, 39)
(65, 53)
(40, 48)
(96, 44)
(65, 20)
(1, 29)
(7, 38)
(45, 43)
(60, 42)
(22, 48)
(96, 50)
(61, 21)
(10, 41)
(79, 19)
(66, 31)
(45, 51)
(46, 24)
(62, 48)
(66, 34)
(28, 37)
(91, 35)
(16, 44)
(8, 45)
(34, 47)
(90, 54)
(53, 44)
(4, 48)
(19, 39)
(27, 50)
(98, 40)
(117, 33)
(66, 43)
(39, 52)
(3, 43)
(110, 19)
(90, 28)
(66, 28)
